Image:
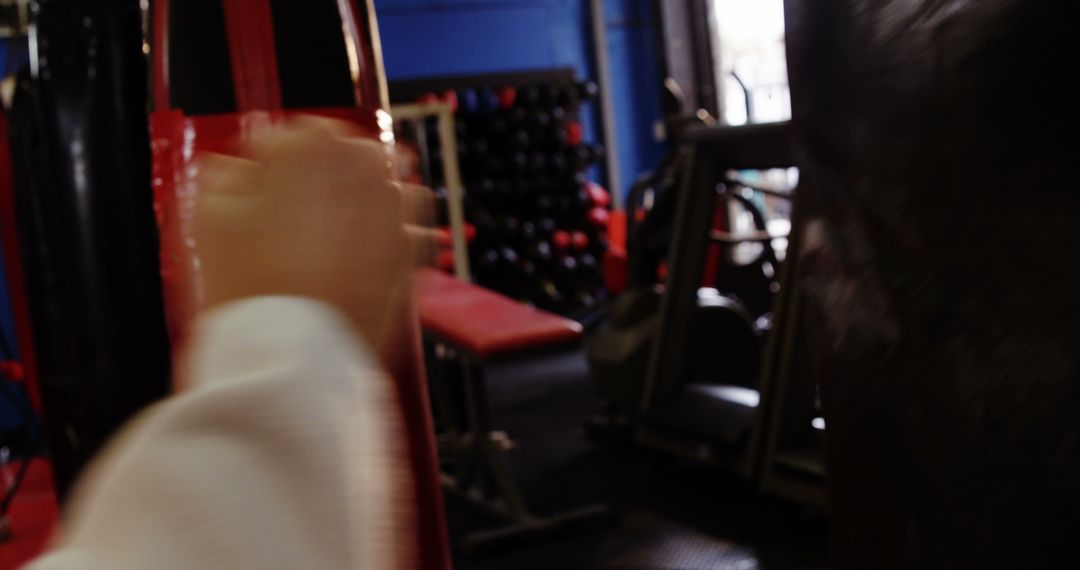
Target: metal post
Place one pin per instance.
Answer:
(607, 114)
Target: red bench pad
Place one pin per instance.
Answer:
(482, 322)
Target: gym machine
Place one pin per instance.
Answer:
(80, 158)
(90, 185)
(667, 394)
(701, 362)
(466, 328)
(221, 70)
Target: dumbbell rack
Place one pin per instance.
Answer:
(537, 226)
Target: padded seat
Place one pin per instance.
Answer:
(484, 323)
(715, 412)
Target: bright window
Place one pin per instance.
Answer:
(750, 60)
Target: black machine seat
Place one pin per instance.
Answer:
(718, 413)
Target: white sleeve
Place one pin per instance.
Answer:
(278, 456)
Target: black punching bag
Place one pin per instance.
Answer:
(80, 154)
(938, 143)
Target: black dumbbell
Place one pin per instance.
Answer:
(539, 252)
(587, 90)
(528, 232)
(546, 226)
(487, 262)
(529, 96)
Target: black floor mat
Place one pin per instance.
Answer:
(668, 514)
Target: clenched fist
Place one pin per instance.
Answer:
(311, 211)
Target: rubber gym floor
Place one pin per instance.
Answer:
(668, 514)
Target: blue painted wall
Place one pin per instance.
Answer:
(636, 83)
(442, 37)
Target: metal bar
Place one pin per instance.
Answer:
(505, 483)
(728, 237)
(759, 187)
(456, 191)
(778, 356)
(451, 175)
(607, 113)
(441, 399)
(748, 97)
(253, 54)
(704, 57)
(422, 151)
(764, 145)
(415, 111)
(377, 95)
(686, 257)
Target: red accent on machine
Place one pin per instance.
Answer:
(178, 139)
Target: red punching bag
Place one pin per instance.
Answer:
(222, 71)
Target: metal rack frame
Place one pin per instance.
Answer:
(712, 152)
(451, 171)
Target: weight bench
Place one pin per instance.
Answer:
(480, 327)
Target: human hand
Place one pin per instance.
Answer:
(311, 211)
